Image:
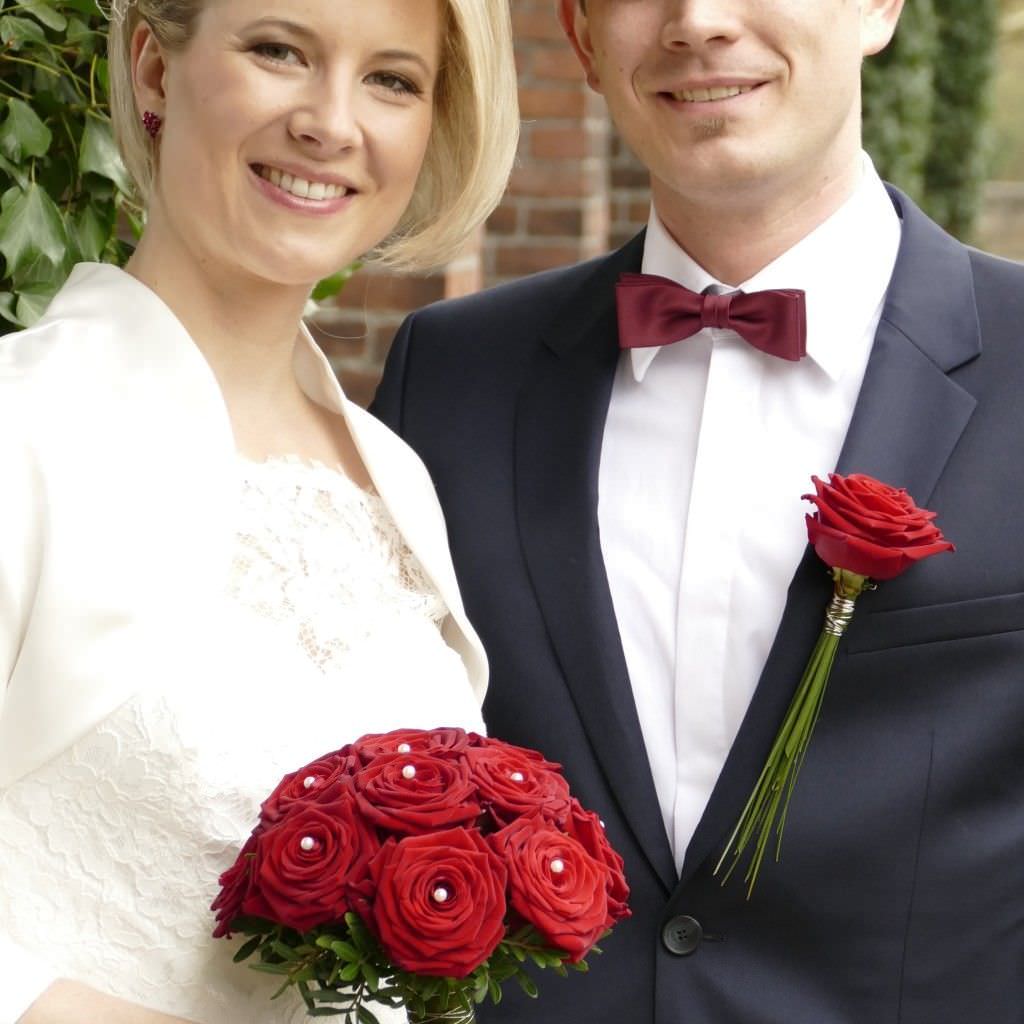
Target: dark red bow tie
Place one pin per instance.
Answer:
(656, 311)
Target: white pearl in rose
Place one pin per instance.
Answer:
(404, 748)
(309, 781)
(517, 777)
(308, 843)
(558, 865)
(440, 894)
(409, 772)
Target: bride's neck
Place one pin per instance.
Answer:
(245, 327)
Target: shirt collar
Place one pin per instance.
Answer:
(843, 265)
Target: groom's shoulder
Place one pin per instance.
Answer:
(996, 274)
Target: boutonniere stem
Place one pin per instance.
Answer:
(864, 531)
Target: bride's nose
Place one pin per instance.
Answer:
(328, 117)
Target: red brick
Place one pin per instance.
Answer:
(559, 64)
(632, 175)
(572, 142)
(504, 220)
(552, 102)
(535, 23)
(376, 290)
(565, 221)
(514, 261)
(549, 179)
(341, 338)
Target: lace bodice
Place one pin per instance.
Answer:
(110, 853)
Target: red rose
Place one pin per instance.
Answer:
(513, 782)
(320, 781)
(414, 793)
(869, 528)
(235, 884)
(555, 884)
(437, 742)
(586, 828)
(437, 902)
(308, 862)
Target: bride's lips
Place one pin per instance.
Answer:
(301, 191)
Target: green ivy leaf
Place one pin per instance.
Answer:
(32, 303)
(23, 133)
(330, 286)
(99, 154)
(91, 233)
(45, 13)
(14, 171)
(30, 227)
(81, 37)
(87, 7)
(15, 32)
(7, 302)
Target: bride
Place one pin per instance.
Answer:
(213, 567)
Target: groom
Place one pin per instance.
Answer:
(627, 525)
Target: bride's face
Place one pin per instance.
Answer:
(294, 131)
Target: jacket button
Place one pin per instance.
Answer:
(682, 935)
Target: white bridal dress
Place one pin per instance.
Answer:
(110, 851)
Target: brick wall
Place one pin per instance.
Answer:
(556, 210)
(574, 193)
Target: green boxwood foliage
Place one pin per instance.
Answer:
(63, 190)
(926, 105)
(898, 99)
(959, 157)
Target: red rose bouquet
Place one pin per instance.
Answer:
(863, 530)
(420, 869)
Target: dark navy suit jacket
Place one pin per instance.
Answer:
(900, 893)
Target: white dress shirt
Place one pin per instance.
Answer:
(708, 447)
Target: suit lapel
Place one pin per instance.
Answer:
(559, 428)
(907, 420)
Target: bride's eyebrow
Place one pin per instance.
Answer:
(283, 24)
(404, 55)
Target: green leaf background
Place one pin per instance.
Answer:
(64, 193)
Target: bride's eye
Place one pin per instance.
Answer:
(277, 53)
(395, 83)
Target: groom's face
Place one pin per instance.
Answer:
(732, 97)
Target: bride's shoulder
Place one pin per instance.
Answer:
(379, 444)
(82, 329)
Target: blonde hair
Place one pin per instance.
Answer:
(472, 141)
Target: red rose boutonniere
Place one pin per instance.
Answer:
(864, 531)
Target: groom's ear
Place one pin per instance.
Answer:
(573, 16)
(878, 20)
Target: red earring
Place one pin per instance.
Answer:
(152, 123)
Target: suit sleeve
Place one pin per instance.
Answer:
(388, 404)
(25, 976)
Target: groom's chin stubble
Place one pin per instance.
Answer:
(709, 128)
